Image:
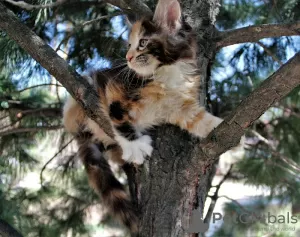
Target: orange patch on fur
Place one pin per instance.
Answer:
(115, 155)
(135, 30)
(114, 92)
(73, 118)
(195, 120)
(153, 90)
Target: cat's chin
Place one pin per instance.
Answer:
(147, 71)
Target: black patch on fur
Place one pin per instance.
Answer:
(112, 184)
(101, 79)
(127, 131)
(83, 136)
(169, 50)
(165, 52)
(90, 159)
(116, 111)
(100, 146)
(135, 97)
(111, 146)
(149, 27)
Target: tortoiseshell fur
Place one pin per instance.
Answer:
(159, 84)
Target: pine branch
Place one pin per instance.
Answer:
(7, 230)
(76, 85)
(292, 164)
(255, 33)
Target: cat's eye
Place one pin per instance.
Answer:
(129, 45)
(143, 43)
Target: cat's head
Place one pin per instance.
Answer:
(163, 40)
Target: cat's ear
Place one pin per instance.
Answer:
(168, 15)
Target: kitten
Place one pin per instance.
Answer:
(160, 84)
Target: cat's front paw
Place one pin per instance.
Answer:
(135, 151)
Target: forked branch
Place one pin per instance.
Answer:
(273, 89)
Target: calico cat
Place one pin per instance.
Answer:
(159, 84)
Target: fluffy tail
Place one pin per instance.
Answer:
(104, 182)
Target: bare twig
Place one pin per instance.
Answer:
(52, 158)
(29, 129)
(35, 86)
(255, 33)
(215, 197)
(72, 32)
(29, 7)
(269, 52)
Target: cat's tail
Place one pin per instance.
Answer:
(104, 182)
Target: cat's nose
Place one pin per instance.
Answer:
(129, 57)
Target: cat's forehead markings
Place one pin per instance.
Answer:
(136, 31)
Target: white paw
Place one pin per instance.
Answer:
(135, 151)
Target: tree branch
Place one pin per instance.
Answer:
(215, 197)
(29, 7)
(29, 129)
(255, 33)
(230, 131)
(136, 6)
(76, 85)
(139, 7)
(35, 86)
(51, 159)
(269, 52)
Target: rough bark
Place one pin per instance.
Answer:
(175, 179)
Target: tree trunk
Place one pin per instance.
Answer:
(167, 188)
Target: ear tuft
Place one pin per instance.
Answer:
(168, 15)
